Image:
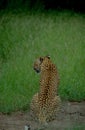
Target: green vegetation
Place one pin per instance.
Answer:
(23, 37)
(76, 127)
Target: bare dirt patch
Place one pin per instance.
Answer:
(71, 116)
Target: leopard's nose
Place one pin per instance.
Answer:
(34, 68)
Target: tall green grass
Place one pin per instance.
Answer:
(24, 36)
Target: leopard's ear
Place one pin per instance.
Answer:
(48, 56)
(41, 59)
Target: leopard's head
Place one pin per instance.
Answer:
(38, 63)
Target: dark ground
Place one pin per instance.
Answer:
(70, 117)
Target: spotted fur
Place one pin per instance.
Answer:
(46, 103)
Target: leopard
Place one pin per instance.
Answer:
(46, 103)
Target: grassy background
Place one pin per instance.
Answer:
(26, 35)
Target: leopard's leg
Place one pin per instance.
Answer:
(53, 108)
(43, 116)
(37, 112)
